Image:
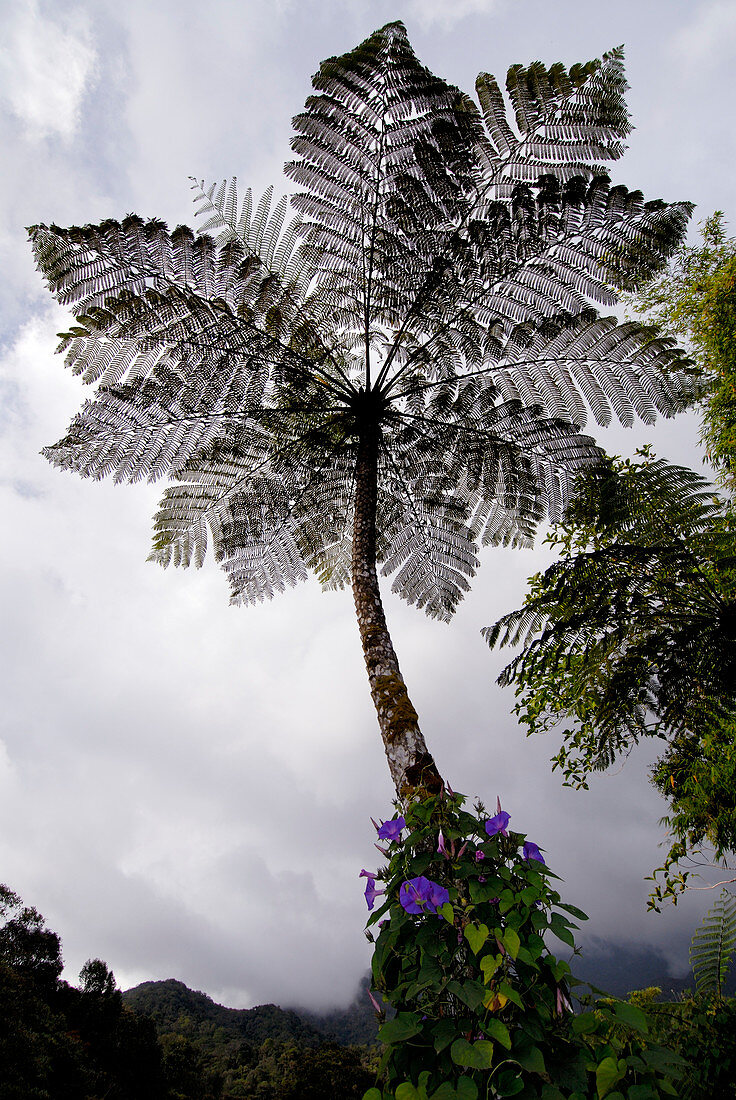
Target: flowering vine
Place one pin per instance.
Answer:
(481, 1007)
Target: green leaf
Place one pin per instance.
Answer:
(560, 928)
(510, 993)
(509, 1083)
(531, 1059)
(466, 1089)
(585, 1023)
(497, 1030)
(372, 1094)
(403, 1026)
(666, 1061)
(444, 1092)
(631, 1016)
(506, 901)
(573, 909)
(406, 1091)
(641, 1092)
(607, 1074)
(489, 965)
(511, 942)
(476, 935)
(477, 1055)
(443, 1033)
(551, 1092)
(445, 910)
(470, 992)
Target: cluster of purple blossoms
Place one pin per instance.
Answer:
(421, 895)
(498, 826)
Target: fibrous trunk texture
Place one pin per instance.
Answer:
(412, 767)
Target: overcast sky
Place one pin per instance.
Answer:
(185, 787)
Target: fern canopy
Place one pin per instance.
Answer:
(437, 282)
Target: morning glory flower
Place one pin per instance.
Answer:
(498, 824)
(391, 830)
(421, 895)
(368, 874)
(371, 893)
(479, 856)
(531, 851)
(441, 846)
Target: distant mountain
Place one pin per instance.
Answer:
(175, 1008)
(354, 1025)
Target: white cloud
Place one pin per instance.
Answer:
(710, 39)
(185, 787)
(447, 13)
(46, 66)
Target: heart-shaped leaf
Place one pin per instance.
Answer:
(474, 1055)
(476, 935)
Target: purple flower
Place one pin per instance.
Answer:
(563, 1004)
(479, 856)
(421, 895)
(498, 824)
(391, 830)
(532, 852)
(368, 874)
(371, 893)
(441, 846)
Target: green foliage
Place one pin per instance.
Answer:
(282, 1071)
(695, 298)
(62, 1043)
(702, 1031)
(26, 944)
(631, 634)
(176, 1008)
(482, 1006)
(713, 945)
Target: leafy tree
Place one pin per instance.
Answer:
(96, 978)
(402, 373)
(61, 1042)
(26, 944)
(632, 634)
(695, 299)
(702, 1030)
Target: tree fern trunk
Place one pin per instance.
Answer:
(412, 767)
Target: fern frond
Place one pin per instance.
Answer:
(713, 945)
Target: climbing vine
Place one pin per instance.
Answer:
(482, 1008)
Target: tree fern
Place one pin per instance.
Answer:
(713, 945)
(398, 372)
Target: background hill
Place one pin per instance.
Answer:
(174, 1007)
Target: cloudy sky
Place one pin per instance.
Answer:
(185, 787)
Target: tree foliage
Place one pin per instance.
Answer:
(702, 1030)
(695, 299)
(632, 633)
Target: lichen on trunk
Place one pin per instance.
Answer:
(412, 767)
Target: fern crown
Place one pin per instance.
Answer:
(436, 284)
